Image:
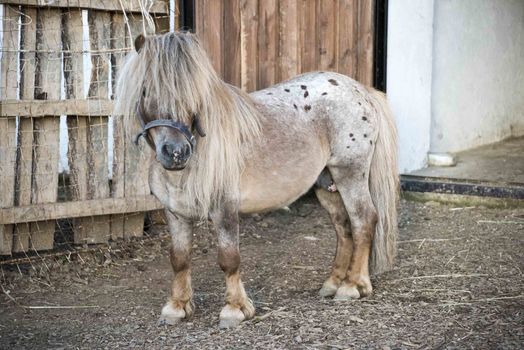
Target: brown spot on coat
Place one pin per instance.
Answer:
(306, 94)
(333, 82)
(307, 107)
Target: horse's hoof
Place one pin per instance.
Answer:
(347, 292)
(230, 317)
(171, 315)
(328, 289)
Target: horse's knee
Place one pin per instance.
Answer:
(179, 259)
(229, 259)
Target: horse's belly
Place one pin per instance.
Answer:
(276, 178)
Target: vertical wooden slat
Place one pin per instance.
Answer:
(289, 39)
(267, 43)
(9, 69)
(308, 35)
(73, 37)
(7, 166)
(24, 169)
(46, 129)
(118, 41)
(97, 229)
(135, 160)
(199, 10)
(232, 42)
(8, 89)
(212, 35)
(248, 44)
(365, 41)
(328, 34)
(347, 39)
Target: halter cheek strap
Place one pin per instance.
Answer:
(166, 123)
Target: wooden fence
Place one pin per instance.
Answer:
(45, 50)
(256, 43)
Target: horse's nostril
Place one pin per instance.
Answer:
(187, 151)
(167, 149)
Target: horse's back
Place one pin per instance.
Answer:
(334, 106)
(306, 123)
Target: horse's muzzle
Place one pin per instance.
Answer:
(173, 155)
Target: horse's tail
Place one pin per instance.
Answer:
(384, 186)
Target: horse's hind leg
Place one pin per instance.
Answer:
(332, 202)
(179, 305)
(353, 187)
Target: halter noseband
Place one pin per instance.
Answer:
(168, 123)
(173, 124)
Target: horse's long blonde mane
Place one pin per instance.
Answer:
(179, 81)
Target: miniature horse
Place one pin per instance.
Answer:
(220, 153)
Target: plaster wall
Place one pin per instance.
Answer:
(478, 73)
(409, 77)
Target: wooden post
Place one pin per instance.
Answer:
(46, 130)
(8, 125)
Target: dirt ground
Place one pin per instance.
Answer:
(458, 283)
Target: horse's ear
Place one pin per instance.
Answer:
(139, 42)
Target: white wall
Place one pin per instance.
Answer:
(478, 73)
(409, 74)
(455, 74)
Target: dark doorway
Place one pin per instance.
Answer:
(381, 45)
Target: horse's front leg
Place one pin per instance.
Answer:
(238, 306)
(179, 305)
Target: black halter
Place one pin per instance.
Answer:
(165, 122)
(170, 124)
